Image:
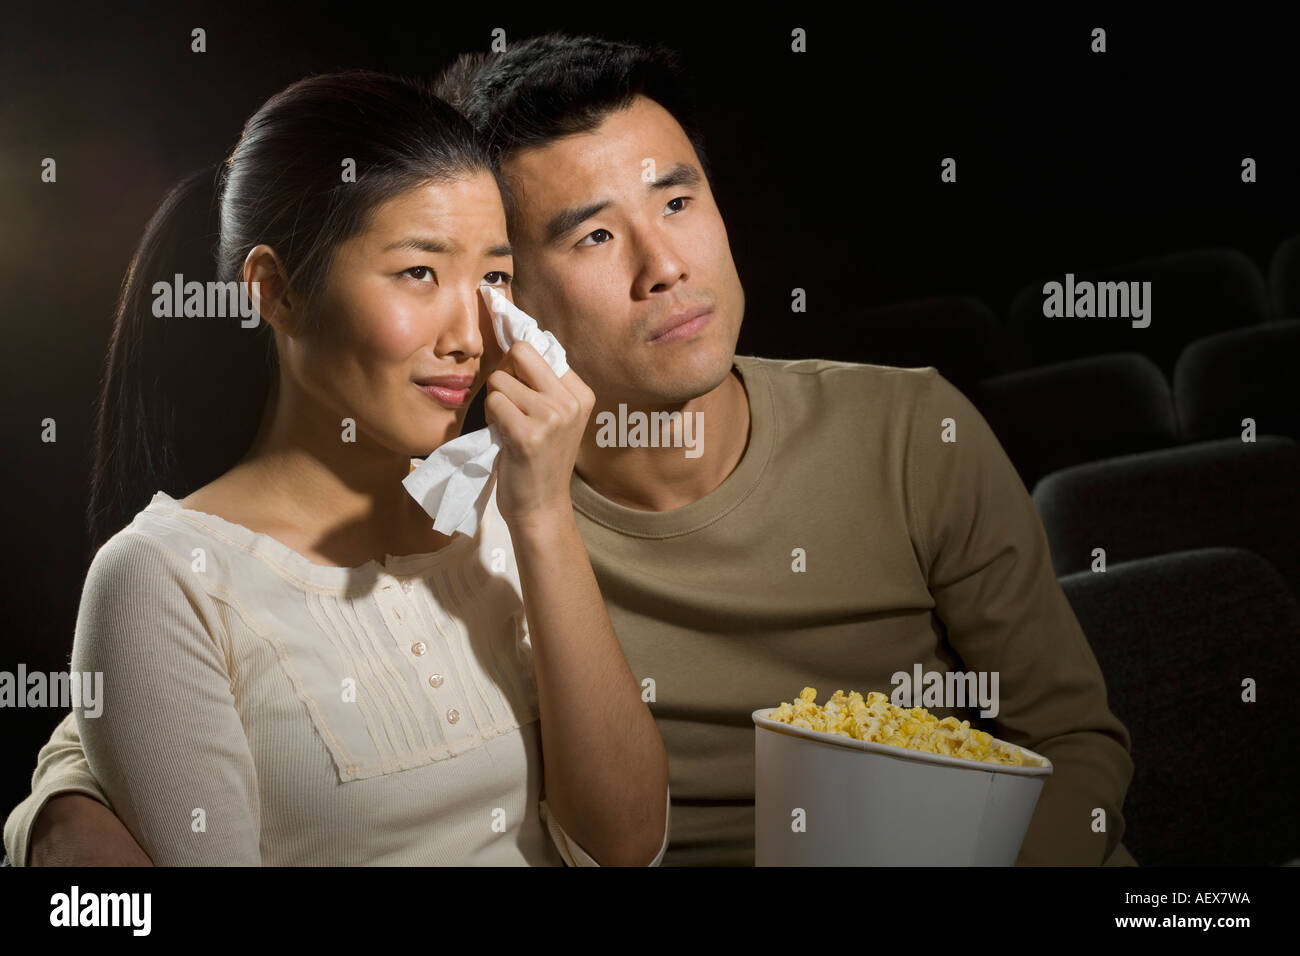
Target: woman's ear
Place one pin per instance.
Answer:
(268, 286)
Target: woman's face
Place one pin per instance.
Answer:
(401, 306)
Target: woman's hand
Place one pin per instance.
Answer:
(605, 771)
(541, 419)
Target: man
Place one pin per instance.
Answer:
(802, 523)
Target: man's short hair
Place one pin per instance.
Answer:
(555, 85)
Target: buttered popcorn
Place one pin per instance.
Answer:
(878, 721)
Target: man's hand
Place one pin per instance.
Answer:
(76, 830)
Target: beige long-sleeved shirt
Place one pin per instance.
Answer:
(914, 551)
(262, 709)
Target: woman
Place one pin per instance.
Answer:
(297, 669)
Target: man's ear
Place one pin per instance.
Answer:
(271, 294)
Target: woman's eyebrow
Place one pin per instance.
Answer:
(450, 247)
(423, 244)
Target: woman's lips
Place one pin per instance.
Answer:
(450, 397)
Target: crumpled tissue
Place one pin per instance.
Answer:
(453, 485)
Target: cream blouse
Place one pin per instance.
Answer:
(263, 709)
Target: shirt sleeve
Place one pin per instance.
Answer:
(168, 747)
(60, 768)
(570, 851)
(575, 855)
(990, 573)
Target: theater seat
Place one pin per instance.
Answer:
(1193, 294)
(1059, 415)
(1215, 778)
(958, 335)
(1284, 279)
(1246, 373)
(1225, 493)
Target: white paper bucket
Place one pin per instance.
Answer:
(868, 804)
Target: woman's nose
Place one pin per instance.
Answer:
(463, 330)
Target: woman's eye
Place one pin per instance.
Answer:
(683, 200)
(598, 232)
(423, 270)
(503, 278)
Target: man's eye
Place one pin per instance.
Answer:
(680, 199)
(598, 232)
(504, 278)
(423, 270)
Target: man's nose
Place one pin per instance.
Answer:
(662, 265)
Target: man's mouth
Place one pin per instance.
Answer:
(682, 325)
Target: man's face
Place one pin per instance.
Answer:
(618, 239)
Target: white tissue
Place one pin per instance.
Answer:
(453, 484)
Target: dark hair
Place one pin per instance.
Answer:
(182, 398)
(554, 85)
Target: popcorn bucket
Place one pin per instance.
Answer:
(866, 804)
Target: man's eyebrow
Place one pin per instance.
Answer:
(435, 245)
(683, 174)
(567, 220)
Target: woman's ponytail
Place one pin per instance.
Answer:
(182, 396)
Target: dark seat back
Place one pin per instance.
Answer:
(1215, 779)
(1226, 493)
(1059, 415)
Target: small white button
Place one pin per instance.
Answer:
(407, 586)
(435, 680)
(418, 648)
(453, 715)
